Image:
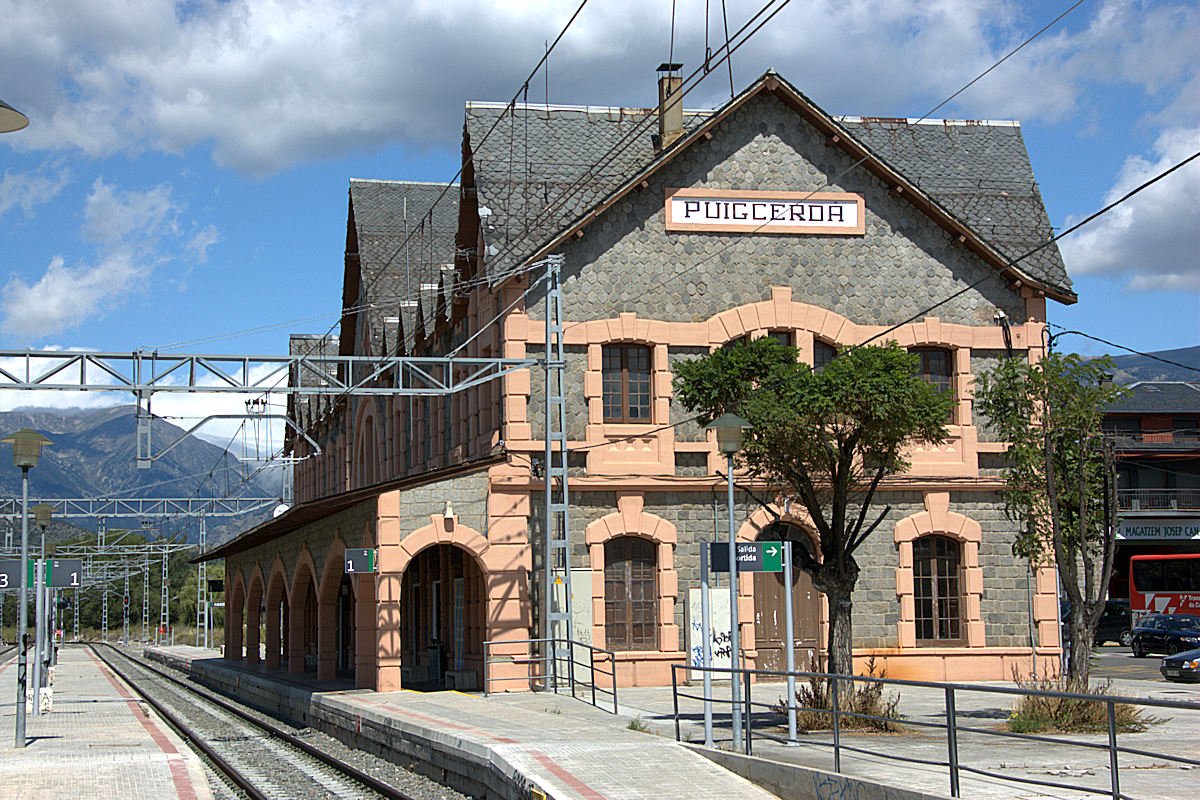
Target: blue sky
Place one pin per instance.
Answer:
(184, 176)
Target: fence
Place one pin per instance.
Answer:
(768, 716)
(559, 663)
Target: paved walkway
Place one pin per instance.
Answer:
(578, 751)
(98, 742)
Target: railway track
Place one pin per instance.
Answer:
(262, 758)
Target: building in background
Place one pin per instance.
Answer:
(680, 232)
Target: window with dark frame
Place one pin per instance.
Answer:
(630, 594)
(937, 588)
(823, 353)
(739, 341)
(626, 383)
(783, 337)
(937, 367)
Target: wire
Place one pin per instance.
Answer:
(1123, 347)
(925, 312)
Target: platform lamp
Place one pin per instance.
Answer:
(27, 446)
(729, 429)
(44, 613)
(11, 119)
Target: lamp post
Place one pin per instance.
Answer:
(729, 429)
(44, 614)
(11, 119)
(27, 446)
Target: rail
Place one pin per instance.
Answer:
(1158, 499)
(952, 728)
(549, 664)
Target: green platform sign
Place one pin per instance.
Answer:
(360, 561)
(61, 573)
(751, 556)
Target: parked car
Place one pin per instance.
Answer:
(1166, 633)
(1183, 666)
(1115, 624)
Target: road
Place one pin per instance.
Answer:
(1114, 661)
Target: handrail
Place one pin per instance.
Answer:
(556, 670)
(951, 726)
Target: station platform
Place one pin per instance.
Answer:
(532, 744)
(482, 747)
(97, 742)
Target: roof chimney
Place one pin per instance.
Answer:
(670, 104)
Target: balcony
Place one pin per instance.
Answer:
(1158, 500)
(1141, 441)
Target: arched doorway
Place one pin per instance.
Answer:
(770, 593)
(443, 604)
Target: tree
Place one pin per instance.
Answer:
(1059, 479)
(828, 437)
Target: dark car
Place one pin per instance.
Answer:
(1183, 666)
(1166, 633)
(1115, 623)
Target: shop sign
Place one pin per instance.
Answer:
(738, 211)
(1170, 528)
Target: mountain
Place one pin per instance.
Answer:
(1133, 368)
(92, 455)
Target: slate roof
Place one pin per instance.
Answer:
(305, 409)
(1159, 397)
(977, 171)
(386, 214)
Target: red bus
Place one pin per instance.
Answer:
(1164, 584)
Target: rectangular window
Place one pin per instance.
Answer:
(823, 353)
(783, 337)
(630, 594)
(936, 589)
(626, 383)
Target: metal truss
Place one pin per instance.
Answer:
(145, 507)
(144, 373)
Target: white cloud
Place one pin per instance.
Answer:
(28, 190)
(271, 83)
(128, 229)
(1152, 237)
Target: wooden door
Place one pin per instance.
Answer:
(770, 619)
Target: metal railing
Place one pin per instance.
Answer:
(548, 669)
(1152, 440)
(952, 728)
(1158, 499)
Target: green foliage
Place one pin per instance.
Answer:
(828, 436)
(1051, 412)
(1059, 479)
(867, 708)
(1040, 714)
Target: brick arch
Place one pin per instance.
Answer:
(234, 627)
(630, 520)
(331, 573)
(368, 426)
(937, 518)
(443, 530)
(304, 559)
(254, 598)
(278, 592)
(781, 312)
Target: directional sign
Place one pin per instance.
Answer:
(360, 560)
(751, 556)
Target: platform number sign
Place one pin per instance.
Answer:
(61, 573)
(65, 572)
(360, 561)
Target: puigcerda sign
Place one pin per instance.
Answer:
(738, 211)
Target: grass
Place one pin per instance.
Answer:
(639, 724)
(1035, 714)
(815, 700)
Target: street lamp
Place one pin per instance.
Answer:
(27, 446)
(729, 429)
(11, 119)
(43, 612)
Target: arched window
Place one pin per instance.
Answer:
(786, 338)
(937, 588)
(630, 594)
(626, 383)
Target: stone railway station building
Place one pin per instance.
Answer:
(680, 232)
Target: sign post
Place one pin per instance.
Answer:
(789, 641)
(706, 635)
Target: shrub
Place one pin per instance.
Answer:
(1040, 714)
(815, 701)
